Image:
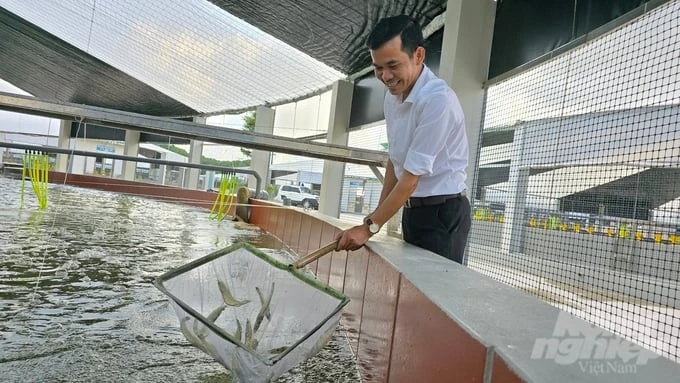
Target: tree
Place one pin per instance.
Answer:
(174, 149)
(248, 126)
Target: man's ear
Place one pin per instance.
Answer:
(420, 55)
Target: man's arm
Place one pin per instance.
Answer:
(389, 182)
(392, 198)
(396, 198)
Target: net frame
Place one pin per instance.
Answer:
(300, 274)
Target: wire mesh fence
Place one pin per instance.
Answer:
(578, 186)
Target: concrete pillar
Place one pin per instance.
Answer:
(195, 152)
(338, 134)
(163, 169)
(64, 143)
(131, 149)
(261, 159)
(512, 236)
(464, 65)
(5, 153)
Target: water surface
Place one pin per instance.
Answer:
(77, 302)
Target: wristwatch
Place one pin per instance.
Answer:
(373, 227)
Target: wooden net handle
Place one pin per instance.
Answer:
(316, 254)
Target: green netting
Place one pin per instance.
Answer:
(250, 311)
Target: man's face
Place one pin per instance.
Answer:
(395, 69)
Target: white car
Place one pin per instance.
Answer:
(297, 196)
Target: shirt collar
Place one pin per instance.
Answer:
(420, 82)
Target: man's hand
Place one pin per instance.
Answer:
(353, 238)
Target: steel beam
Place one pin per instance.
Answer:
(190, 130)
(73, 152)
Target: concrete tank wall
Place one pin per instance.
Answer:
(417, 317)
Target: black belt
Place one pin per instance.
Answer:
(431, 200)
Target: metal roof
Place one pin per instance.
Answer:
(332, 31)
(619, 171)
(188, 57)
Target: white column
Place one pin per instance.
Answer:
(338, 126)
(260, 159)
(5, 150)
(131, 149)
(464, 64)
(163, 169)
(195, 153)
(512, 235)
(64, 143)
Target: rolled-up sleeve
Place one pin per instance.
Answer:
(418, 163)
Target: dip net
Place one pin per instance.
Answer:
(251, 311)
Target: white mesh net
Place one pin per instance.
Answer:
(190, 50)
(253, 313)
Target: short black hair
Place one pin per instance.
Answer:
(390, 27)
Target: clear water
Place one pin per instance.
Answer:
(77, 302)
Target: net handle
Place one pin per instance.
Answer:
(316, 254)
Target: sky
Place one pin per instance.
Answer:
(23, 123)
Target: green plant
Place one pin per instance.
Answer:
(272, 189)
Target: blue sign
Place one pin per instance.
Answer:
(108, 149)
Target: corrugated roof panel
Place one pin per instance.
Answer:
(331, 31)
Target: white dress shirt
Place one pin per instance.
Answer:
(426, 135)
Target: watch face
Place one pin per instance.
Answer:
(372, 227)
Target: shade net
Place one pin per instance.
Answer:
(251, 312)
(577, 197)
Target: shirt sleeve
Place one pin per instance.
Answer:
(435, 119)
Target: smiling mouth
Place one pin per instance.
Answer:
(392, 84)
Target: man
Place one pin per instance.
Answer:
(428, 150)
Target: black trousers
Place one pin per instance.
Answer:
(442, 229)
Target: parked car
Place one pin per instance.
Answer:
(297, 196)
